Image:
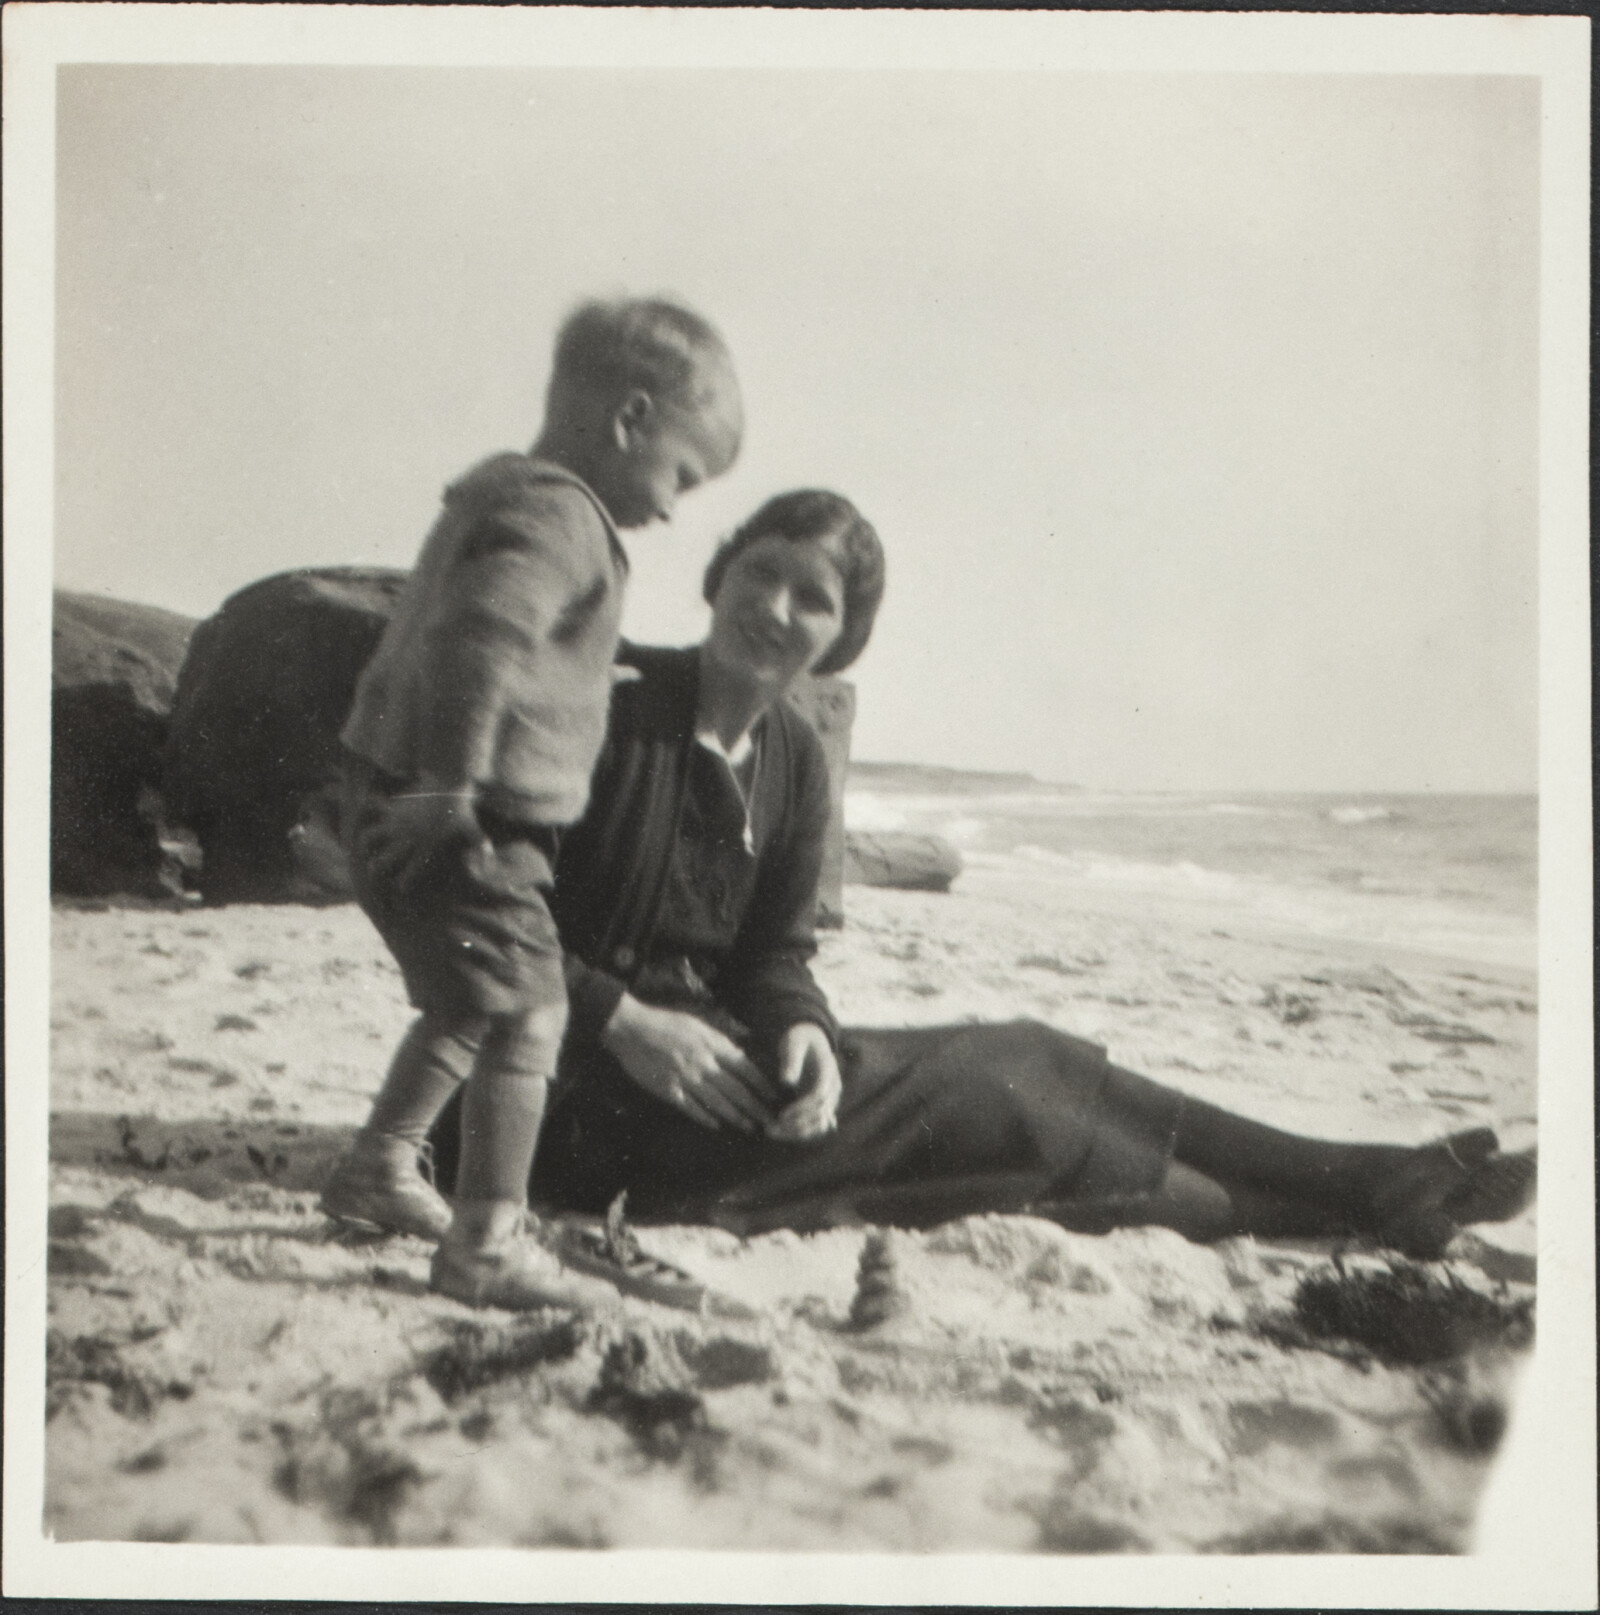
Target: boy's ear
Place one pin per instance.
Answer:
(633, 415)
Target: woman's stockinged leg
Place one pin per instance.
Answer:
(1200, 1208)
(1278, 1183)
(1203, 1209)
(1337, 1178)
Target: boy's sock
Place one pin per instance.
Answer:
(433, 1059)
(484, 1224)
(502, 1110)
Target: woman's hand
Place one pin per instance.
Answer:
(808, 1068)
(689, 1065)
(412, 826)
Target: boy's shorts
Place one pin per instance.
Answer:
(473, 934)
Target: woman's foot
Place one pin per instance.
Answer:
(379, 1184)
(1497, 1190)
(630, 1269)
(1444, 1186)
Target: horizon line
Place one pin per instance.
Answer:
(1193, 790)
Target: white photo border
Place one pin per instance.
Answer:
(1537, 1547)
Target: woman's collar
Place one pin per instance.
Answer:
(705, 724)
(736, 755)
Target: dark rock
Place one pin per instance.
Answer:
(830, 706)
(253, 755)
(904, 859)
(114, 669)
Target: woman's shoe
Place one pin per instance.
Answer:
(379, 1184)
(1497, 1189)
(1443, 1186)
(630, 1269)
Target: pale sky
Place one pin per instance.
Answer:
(1197, 413)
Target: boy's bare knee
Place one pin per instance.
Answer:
(453, 1041)
(531, 1042)
(546, 1024)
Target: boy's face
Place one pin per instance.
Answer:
(662, 450)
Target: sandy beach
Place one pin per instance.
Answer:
(224, 1368)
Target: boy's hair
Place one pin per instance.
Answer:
(607, 347)
(815, 516)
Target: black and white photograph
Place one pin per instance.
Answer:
(807, 814)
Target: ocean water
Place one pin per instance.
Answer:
(1450, 873)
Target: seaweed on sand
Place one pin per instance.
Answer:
(97, 1360)
(646, 1391)
(1403, 1312)
(346, 1463)
(1334, 1533)
(477, 1355)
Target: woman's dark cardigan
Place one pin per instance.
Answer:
(614, 863)
(934, 1122)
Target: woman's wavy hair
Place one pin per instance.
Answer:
(815, 516)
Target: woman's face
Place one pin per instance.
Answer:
(778, 610)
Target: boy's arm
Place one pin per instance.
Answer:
(519, 576)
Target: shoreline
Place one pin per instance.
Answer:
(1432, 934)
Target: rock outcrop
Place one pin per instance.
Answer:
(253, 755)
(901, 858)
(114, 670)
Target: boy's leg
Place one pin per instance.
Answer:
(487, 1258)
(434, 1058)
(378, 1180)
(502, 1110)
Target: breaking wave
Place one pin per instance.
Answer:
(1361, 815)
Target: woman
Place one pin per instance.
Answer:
(703, 1072)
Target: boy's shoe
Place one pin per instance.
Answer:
(519, 1275)
(379, 1184)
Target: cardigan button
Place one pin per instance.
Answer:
(623, 958)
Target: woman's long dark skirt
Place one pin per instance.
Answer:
(935, 1123)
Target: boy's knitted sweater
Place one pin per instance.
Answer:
(495, 669)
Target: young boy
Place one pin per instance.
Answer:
(474, 731)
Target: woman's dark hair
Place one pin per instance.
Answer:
(815, 516)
